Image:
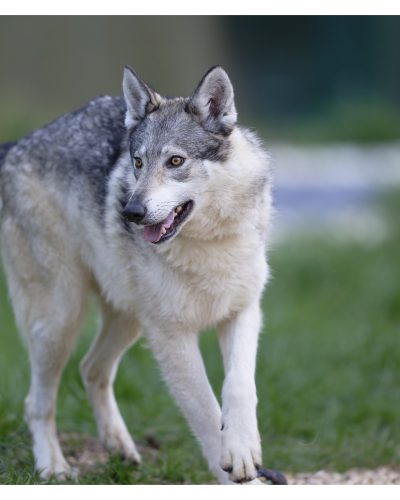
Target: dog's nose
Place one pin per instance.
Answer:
(134, 211)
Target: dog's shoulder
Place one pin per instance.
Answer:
(75, 153)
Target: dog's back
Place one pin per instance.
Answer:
(4, 149)
(80, 146)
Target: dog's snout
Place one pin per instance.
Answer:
(134, 211)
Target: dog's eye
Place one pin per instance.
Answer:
(138, 163)
(176, 161)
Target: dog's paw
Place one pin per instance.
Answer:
(60, 472)
(240, 457)
(122, 444)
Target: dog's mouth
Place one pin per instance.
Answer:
(167, 228)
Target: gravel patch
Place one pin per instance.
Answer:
(382, 475)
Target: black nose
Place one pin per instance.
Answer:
(134, 211)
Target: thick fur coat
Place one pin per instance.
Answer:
(161, 207)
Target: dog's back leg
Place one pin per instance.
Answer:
(47, 289)
(98, 368)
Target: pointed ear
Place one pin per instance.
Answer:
(140, 98)
(213, 102)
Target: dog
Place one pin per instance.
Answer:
(161, 207)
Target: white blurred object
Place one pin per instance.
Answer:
(333, 188)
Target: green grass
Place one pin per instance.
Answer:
(328, 373)
(362, 120)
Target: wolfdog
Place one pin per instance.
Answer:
(161, 207)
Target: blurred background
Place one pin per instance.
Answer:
(324, 94)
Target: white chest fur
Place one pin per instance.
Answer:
(211, 281)
(213, 268)
(186, 285)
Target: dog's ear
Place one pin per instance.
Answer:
(213, 102)
(140, 98)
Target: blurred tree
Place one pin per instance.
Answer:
(60, 62)
(293, 65)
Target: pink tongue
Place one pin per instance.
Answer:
(153, 233)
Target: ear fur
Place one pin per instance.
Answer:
(140, 98)
(212, 103)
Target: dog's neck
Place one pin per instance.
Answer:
(237, 196)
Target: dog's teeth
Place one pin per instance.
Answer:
(163, 230)
(178, 209)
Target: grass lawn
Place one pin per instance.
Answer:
(328, 374)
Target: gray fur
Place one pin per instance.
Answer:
(172, 123)
(140, 98)
(78, 149)
(213, 102)
(4, 149)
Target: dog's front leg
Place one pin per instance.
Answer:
(241, 447)
(179, 357)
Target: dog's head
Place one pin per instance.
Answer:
(174, 145)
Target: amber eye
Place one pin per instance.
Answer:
(176, 161)
(138, 163)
